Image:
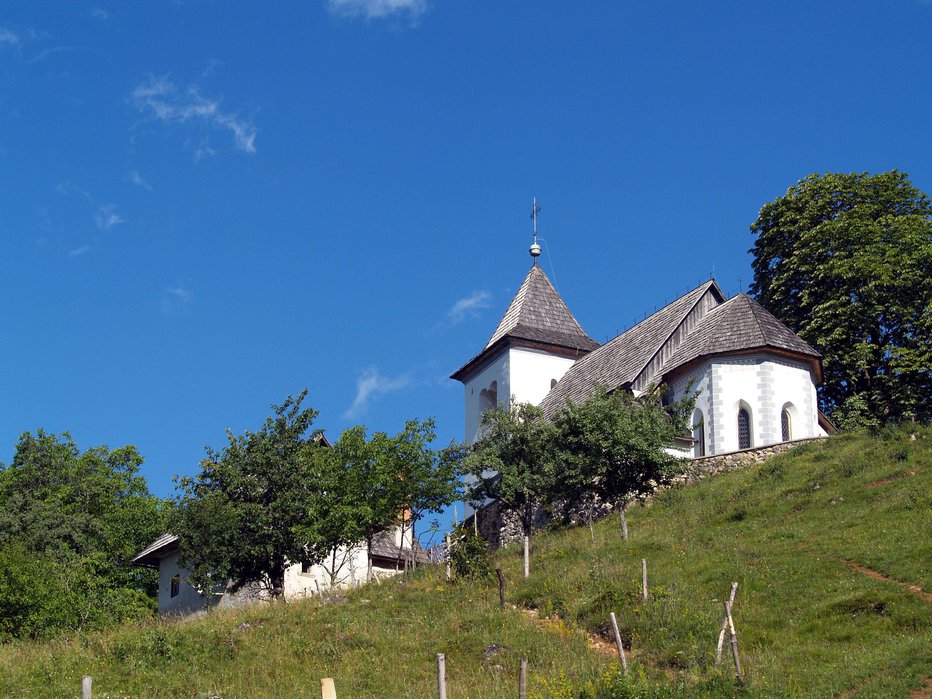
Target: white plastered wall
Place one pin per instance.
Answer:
(765, 384)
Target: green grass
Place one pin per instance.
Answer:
(808, 624)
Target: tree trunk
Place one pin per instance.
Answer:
(277, 580)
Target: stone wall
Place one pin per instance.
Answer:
(500, 528)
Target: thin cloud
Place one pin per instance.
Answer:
(162, 100)
(9, 37)
(99, 13)
(138, 180)
(469, 306)
(370, 386)
(107, 217)
(77, 252)
(378, 9)
(175, 298)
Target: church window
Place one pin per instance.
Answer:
(699, 438)
(175, 585)
(553, 382)
(744, 429)
(488, 397)
(786, 425)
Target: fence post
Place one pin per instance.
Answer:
(327, 689)
(522, 680)
(86, 687)
(734, 640)
(449, 571)
(621, 648)
(624, 523)
(442, 676)
(644, 578)
(501, 587)
(721, 633)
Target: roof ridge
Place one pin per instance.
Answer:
(707, 285)
(751, 306)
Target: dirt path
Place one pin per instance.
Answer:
(594, 642)
(876, 575)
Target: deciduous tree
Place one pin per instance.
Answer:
(845, 260)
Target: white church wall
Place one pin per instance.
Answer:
(533, 373)
(496, 371)
(763, 384)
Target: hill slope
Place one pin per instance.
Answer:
(830, 545)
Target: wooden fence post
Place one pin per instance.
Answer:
(522, 680)
(501, 587)
(449, 570)
(86, 687)
(734, 640)
(441, 676)
(644, 579)
(621, 648)
(327, 689)
(624, 523)
(721, 633)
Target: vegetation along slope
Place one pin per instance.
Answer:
(829, 543)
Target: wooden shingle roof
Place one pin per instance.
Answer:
(740, 324)
(537, 315)
(621, 360)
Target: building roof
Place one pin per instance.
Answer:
(384, 546)
(537, 315)
(150, 555)
(739, 324)
(621, 360)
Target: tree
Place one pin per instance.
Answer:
(514, 462)
(385, 477)
(70, 522)
(845, 260)
(613, 446)
(257, 506)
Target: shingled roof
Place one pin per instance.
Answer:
(620, 361)
(739, 324)
(537, 315)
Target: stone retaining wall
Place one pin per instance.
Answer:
(500, 528)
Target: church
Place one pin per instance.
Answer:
(756, 379)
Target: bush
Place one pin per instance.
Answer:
(469, 554)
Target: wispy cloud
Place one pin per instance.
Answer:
(107, 217)
(175, 298)
(8, 36)
(77, 252)
(371, 385)
(163, 100)
(99, 13)
(378, 9)
(138, 180)
(469, 306)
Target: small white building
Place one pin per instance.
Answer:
(756, 378)
(345, 567)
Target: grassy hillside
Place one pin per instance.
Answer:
(825, 543)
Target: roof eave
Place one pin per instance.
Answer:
(476, 364)
(814, 361)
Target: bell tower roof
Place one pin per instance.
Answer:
(537, 318)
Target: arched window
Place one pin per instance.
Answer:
(488, 397)
(744, 428)
(786, 425)
(698, 435)
(553, 382)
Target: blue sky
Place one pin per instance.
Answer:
(207, 206)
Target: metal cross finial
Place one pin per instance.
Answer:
(535, 248)
(535, 209)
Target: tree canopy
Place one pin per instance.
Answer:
(258, 505)
(845, 260)
(70, 522)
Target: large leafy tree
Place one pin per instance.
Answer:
(70, 521)
(845, 260)
(515, 462)
(389, 481)
(614, 446)
(258, 505)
